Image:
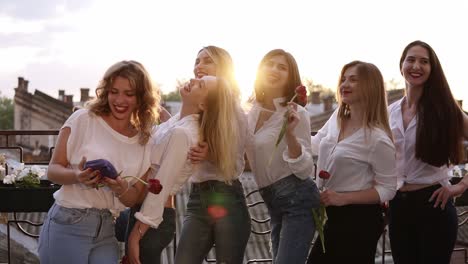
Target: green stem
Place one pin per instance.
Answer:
(142, 181)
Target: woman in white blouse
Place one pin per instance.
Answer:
(217, 212)
(355, 147)
(205, 103)
(283, 175)
(116, 126)
(428, 127)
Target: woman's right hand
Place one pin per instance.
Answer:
(198, 153)
(87, 177)
(293, 118)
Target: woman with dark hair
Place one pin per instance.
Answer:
(428, 127)
(283, 175)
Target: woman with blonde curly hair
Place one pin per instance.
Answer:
(115, 126)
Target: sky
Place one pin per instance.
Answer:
(69, 44)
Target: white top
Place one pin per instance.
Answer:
(409, 168)
(171, 143)
(93, 138)
(361, 161)
(261, 146)
(207, 171)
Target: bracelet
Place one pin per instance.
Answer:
(140, 232)
(124, 192)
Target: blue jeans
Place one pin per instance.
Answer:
(217, 215)
(290, 202)
(78, 236)
(420, 233)
(154, 241)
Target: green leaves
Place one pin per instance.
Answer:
(320, 218)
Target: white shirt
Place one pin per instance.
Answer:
(410, 169)
(361, 161)
(261, 146)
(171, 143)
(207, 171)
(93, 138)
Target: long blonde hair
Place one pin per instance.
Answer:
(224, 67)
(373, 94)
(219, 128)
(147, 113)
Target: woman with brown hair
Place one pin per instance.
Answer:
(284, 172)
(356, 148)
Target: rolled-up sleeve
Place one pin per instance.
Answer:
(174, 168)
(303, 165)
(383, 161)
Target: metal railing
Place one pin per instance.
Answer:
(8, 134)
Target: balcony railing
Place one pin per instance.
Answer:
(258, 245)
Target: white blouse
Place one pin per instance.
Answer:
(361, 161)
(410, 169)
(261, 146)
(207, 171)
(93, 138)
(171, 142)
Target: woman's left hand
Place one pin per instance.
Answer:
(118, 186)
(329, 197)
(444, 193)
(134, 246)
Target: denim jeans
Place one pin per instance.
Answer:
(420, 233)
(77, 236)
(290, 202)
(217, 215)
(154, 241)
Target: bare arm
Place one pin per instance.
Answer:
(59, 171)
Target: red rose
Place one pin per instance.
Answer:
(324, 175)
(154, 186)
(125, 260)
(301, 94)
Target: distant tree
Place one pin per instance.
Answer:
(6, 112)
(393, 84)
(174, 96)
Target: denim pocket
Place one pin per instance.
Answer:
(67, 216)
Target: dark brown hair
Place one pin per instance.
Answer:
(294, 79)
(439, 133)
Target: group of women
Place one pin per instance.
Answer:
(374, 154)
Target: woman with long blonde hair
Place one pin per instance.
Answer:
(355, 147)
(216, 210)
(170, 143)
(116, 125)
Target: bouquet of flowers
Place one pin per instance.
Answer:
(301, 95)
(320, 214)
(106, 169)
(459, 171)
(25, 177)
(2, 166)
